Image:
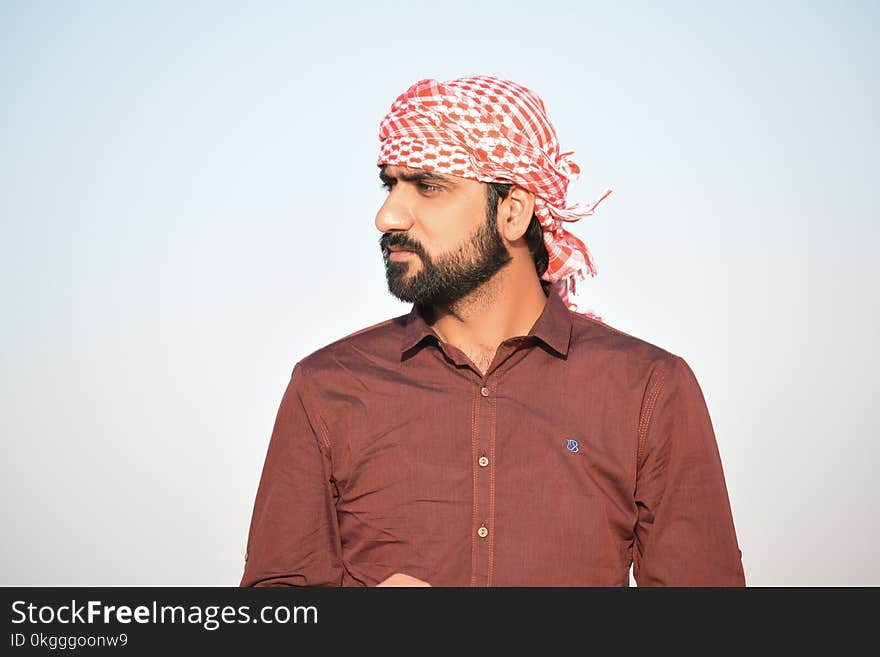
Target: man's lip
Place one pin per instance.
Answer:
(396, 249)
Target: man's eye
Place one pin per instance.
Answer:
(424, 188)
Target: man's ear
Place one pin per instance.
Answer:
(515, 213)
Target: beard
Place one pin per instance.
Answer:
(450, 277)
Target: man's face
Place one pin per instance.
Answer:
(451, 243)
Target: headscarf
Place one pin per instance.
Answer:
(493, 130)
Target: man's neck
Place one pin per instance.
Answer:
(505, 307)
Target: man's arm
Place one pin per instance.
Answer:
(294, 536)
(685, 534)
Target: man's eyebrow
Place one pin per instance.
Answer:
(416, 176)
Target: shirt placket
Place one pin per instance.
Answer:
(483, 470)
(483, 429)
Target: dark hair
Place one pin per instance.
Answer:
(534, 233)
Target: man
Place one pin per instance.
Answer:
(493, 436)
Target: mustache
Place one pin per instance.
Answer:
(396, 239)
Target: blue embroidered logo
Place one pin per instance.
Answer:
(572, 445)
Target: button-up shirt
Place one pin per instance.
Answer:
(579, 452)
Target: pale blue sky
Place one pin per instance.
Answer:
(187, 196)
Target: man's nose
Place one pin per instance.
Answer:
(393, 215)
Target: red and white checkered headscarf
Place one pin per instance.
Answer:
(494, 130)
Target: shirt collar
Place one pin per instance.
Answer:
(553, 327)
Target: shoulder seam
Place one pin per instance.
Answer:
(593, 322)
(358, 332)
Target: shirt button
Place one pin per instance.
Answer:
(484, 391)
(483, 461)
(482, 532)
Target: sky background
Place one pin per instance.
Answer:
(187, 197)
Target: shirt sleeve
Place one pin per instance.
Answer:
(294, 536)
(684, 534)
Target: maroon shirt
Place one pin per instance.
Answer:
(580, 451)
